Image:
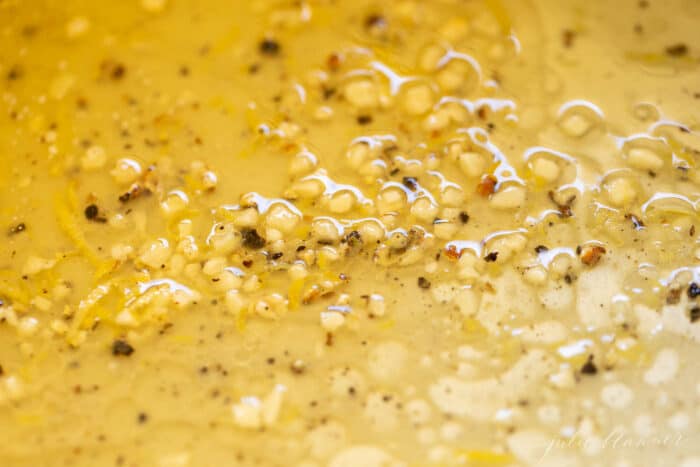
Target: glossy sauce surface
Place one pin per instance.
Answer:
(349, 233)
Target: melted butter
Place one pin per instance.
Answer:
(368, 233)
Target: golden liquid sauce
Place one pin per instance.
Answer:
(363, 233)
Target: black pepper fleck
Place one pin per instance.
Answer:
(375, 21)
(251, 239)
(568, 36)
(121, 347)
(15, 73)
(91, 212)
(491, 257)
(423, 283)
(677, 50)
(298, 367)
(410, 182)
(328, 93)
(353, 239)
(637, 223)
(673, 297)
(19, 228)
(694, 314)
(118, 72)
(589, 367)
(269, 47)
(364, 119)
(693, 290)
(463, 217)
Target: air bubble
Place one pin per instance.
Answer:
(645, 153)
(418, 99)
(548, 166)
(430, 57)
(621, 189)
(578, 118)
(661, 205)
(645, 112)
(509, 197)
(458, 72)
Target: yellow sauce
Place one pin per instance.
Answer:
(309, 233)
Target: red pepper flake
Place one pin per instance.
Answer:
(452, 252)
(487, 185)
(334, 61)
(591, 254)
(135, 191)
(564, 209)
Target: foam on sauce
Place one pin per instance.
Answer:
(358, 233)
